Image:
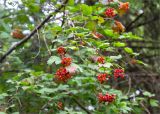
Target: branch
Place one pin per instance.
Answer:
(135, 20)
(45, 105)
(32, 33)
(144, 23)
(81, 106)
(5, 16)
(145, 108)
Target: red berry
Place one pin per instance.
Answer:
(106, 98)
(62, 74)
(61, 50)
(17, 34)
(66, 61)
(101, 60)
(109, 97)
(102, 78)
(101, 97)
(110, 12)
(118, 73)
(60, 105)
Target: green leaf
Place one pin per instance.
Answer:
(4, 35)
(101, 10)
(34, 7)
(104, 45)
(110, 33)
(23, 18)
(3, 95)
(141, 62)
(86, 10)
(53, 59)
(119, 44)
(73, 48)
(47, 90)
(128, 50)
(91, 25)
(98, 18)
(148, 94)
(71, 2)
(154, 103)
(129, 36)
(101, 20)
(73, 8)
(56, 29)
(116, 57)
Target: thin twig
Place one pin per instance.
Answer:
(129, 84)
(135, 20)
(81, 106)
(44, 38)
(63, 22)
(145, 108)
(39, 49)
(144, 23)
(44, 106)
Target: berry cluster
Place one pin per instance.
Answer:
(61, 51)
(103, 78)
(62, 74)
(60, 105)
(110, 12)
(101, 60)
(106, 98)
(66, 61)
(122, 9)
(118, 73)
(17, 34)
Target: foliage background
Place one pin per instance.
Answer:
(28, 65)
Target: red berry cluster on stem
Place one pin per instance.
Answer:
(110, 12)
(101, 60)
(61, 51)
(118, 73)
(103, 78)
(66, 61)
(60, 105)
(62, 74)
(106, 98)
